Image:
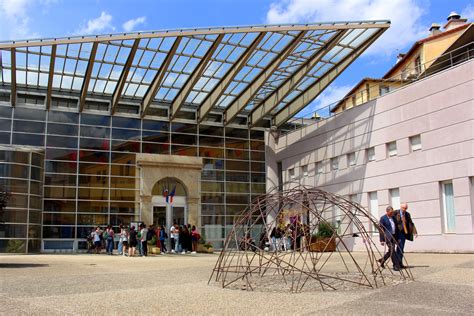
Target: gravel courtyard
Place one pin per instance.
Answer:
(177, 284)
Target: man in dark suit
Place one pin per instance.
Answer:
(405, 229)
(387, 236)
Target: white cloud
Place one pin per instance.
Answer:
(100, 24)
(468, 12)
(15, 13)
(131, 24)
(326, 99)
(405, 15)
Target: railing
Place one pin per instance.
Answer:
(408, 76)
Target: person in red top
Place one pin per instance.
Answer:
(195, 238)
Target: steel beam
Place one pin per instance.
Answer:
(13, 77)
(156, 83)
(316, 88)
(242, 100)
(212, 98)
(87, 76)
(203, 31)
(50, 76)
(123, 77)
(272, 101)
(192, 80)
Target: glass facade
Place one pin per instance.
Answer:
(21, 181)
(90, 171)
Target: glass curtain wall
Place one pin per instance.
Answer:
(90, 167)
(21, 178)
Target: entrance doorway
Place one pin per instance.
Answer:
(173, 211)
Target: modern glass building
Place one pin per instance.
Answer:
(94, 130)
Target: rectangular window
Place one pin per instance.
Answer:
(418, 65)
(335, 163)
(384, 90)
(304, 170)
(370, 154)
(415, 143)
(391, 149)
(395, 198)
(374, 209)
(351, 159)
(291, 173)
(319, 167)
(449, 212)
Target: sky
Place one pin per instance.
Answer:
(410, 21)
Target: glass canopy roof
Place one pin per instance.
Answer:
(255, 72)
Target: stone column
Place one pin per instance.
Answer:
(146, 209)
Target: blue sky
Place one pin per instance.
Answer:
(410, 21)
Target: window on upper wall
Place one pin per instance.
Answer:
(384, 90)
(291, 173)
(304, 170)
(415, 143)
(418, 65)
(319, 167)
(449, 212)
(335, 163)
(351, 159)
(394, 198)
(370, 154)
(374, 209)
(391, 149)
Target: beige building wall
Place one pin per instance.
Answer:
(440, 109)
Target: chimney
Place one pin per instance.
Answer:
(400, 57)
(454, 20)
(435, 29)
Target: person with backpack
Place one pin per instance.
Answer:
(163, 236)
(149, 236)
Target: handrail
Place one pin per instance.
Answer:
(454, 57)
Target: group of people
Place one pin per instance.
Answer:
(396, 227)
(131, 241)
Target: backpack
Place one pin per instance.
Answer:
(149, 235)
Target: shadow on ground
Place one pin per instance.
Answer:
(22, 265)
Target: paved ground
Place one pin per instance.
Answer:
(177, 284)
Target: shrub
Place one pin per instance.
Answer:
(325, 230)
(152, 241)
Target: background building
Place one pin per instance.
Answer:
(120, 119)
(412, 144)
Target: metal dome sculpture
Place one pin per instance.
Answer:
(299, 258)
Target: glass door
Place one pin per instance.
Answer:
(159, 216)
(178, 215)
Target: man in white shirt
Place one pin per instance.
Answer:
(172, 229)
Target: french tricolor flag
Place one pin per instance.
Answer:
(165, 194)
(173, 192)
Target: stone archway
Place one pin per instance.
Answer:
(154, 167)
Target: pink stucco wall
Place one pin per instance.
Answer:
(440, 109)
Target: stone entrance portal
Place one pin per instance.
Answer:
(153, 168)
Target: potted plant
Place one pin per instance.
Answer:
(324, 240)
(152, 246)
(204, 247)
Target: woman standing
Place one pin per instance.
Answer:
(133, 242)
(110, 240)
(163, 236)
(195, 236)
(123, 240)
